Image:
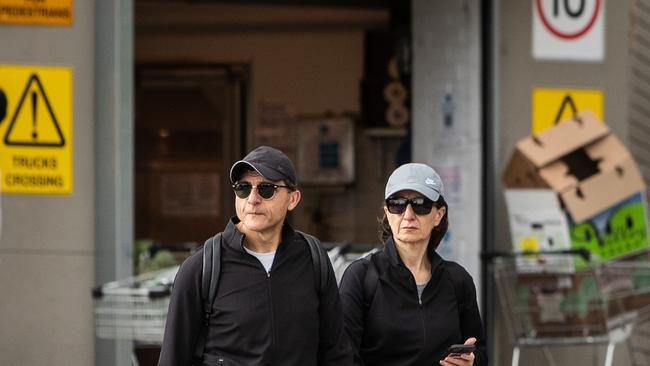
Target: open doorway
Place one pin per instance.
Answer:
(188, 125)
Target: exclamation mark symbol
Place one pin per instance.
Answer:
(34, 105)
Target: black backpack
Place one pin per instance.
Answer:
(212, 269)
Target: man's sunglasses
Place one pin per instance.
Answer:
(420, 205)
(266, 190)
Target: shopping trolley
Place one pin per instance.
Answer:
(629, 284)
(134, 308)
(342, 255)
(600, 305)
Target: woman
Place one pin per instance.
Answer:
(405, 305)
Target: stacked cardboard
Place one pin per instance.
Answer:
(575, 185)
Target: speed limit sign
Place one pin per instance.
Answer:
(568, 30)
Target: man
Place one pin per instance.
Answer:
(268, 310)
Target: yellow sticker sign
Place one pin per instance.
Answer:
(550, 106)
(47, 12)
(36, 129)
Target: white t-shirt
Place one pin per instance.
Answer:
(265, 258)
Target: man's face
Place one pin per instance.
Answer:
(264, 215)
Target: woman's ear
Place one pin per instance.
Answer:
(440, 213)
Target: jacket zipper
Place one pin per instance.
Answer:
(420, 311)
(424, 328)
(272, 320)
(268, 285)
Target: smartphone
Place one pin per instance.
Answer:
(455, 350)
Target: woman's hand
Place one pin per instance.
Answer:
(465, 359)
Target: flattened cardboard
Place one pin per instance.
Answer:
(521, 173)
(596, 193)
(563, 138)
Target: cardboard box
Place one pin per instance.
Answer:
(574, 185)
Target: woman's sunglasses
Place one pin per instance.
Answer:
(266, 190)
(420, 205)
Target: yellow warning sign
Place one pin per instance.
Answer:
(48, 12)
(36, 129)
(550, 106)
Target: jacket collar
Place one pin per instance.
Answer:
(235, 238)
(395, 260)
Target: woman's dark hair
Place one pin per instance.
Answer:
(437, 233)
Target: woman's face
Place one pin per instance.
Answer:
(410, 228)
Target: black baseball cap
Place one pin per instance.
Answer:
(271, 163)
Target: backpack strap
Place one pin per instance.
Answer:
(318, 260)
(458, 286)
(370, 281)
(209, 283)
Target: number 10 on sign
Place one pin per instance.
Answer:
(571, 30)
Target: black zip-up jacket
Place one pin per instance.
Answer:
(394, 328)
(260, 319)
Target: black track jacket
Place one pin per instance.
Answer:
(276, 319)
(393, 328)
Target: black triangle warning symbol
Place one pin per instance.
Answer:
(26, 127)
(566, 102)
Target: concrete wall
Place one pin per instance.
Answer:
(113, 157)
(447, 117)
(518, 74)
(47, 243)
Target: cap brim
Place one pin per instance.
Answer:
(428, 192)
(239, 167)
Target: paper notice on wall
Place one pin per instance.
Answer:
(451, 176)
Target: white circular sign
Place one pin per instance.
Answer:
(568, 19)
